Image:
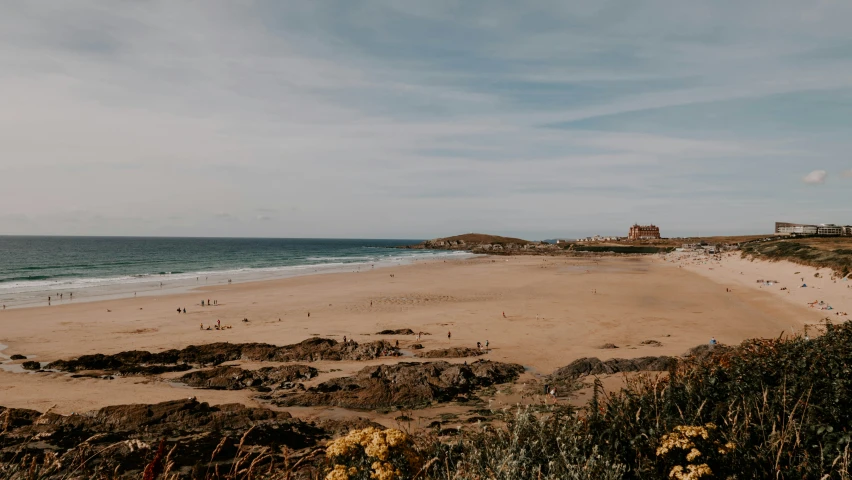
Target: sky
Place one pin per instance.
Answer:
(421, 119)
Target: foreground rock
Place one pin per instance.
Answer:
(454, 352)
(142, 362)
(264, 379)
(405, 385)
(132, 434)
(595, 366)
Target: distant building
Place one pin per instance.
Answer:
(644, 232)
(824, 229)
(829, 229)
(847, 230)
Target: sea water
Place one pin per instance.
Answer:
(92, 268)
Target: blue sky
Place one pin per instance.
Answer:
(422, 119)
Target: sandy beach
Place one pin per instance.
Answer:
(557, 309)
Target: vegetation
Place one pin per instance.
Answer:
(777, 408)
(621, 249)
(833, 253)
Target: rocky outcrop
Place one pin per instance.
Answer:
(454, 352)
(31, 365)
(481, 243)
(405, 385)
(17, 357)
(142, 362)
(264, 379)
(400, 331)
(125, 437)
(594, 366)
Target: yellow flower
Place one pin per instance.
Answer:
(692, 455)
(694, 472)
(383, 471)
(339, 473)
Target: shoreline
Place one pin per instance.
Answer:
(165, 284)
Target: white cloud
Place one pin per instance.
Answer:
(362, 122)
(816, 177)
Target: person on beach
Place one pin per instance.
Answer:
(48, 300)
(344, 339)
(478, 346)
(449, 335)
(178, 309)
(202, 303)
(202, 326)
(486, 344)
(184, 310)
(712, 341)
(309, 314)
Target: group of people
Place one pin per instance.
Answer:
(479, 345)
(49, 298)
(209, 303)
(217, 326)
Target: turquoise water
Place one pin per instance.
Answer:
(32, 268)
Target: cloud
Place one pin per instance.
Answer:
(814, 178)
(375, 126)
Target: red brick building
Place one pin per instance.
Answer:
(643, 232)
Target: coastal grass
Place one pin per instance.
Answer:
(833, 253)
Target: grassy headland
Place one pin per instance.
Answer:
(834, 253)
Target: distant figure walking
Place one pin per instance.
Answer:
(712, 341)
(478, 346)
(449, 335)
(309, 314)
(344, 339)
(202, 303)
(486, 344)
(504, 314)
(184, 310)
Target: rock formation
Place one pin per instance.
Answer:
(263, 379)
(454, 352)
(310, 350)
(405, 385)
(126, 436)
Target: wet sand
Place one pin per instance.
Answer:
(557, 309)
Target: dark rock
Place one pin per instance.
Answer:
(401, 331)
(652, 343)
(31, 365)
(140, 362)
(608, 346)
(133, 433)
(234, 378)
(405, 385)
(454, 352)
(17, 357)
(594, 366)
(417, 346)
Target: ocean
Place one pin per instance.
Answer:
(92, 268)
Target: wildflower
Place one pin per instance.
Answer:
(339, 473)
(692, 455)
